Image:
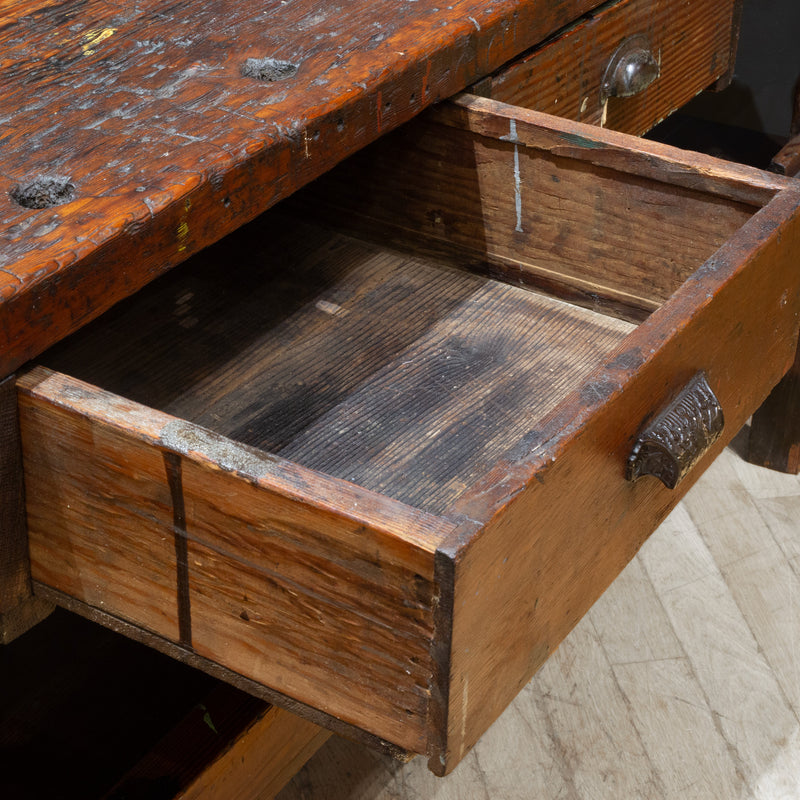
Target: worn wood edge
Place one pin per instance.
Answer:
(20, 619)
(189, 657)
(611, 149)
(439, 762)
(485, 503)
(420, 530)
(518, 469)
(472, 49)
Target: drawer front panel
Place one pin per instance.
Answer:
(565, 76)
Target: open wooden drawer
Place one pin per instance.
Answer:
(385, 479)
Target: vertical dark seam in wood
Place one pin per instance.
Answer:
(172, 464)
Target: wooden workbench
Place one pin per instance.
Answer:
(139, 136)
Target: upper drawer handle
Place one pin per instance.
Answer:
(675, 440)
(632, 68)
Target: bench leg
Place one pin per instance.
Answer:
(19, 609)
(775, 428)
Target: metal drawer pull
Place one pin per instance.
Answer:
(632, 68)
(675, 440)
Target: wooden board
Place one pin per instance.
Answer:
(147, 121)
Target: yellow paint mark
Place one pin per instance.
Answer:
(183, 226)
(93, 37)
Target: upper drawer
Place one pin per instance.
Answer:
(664, 51)
(385, 486)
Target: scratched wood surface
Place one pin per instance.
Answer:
(682, 682)
(134, 134)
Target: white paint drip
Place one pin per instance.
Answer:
(517, 179)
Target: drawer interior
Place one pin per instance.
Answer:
(403, 375)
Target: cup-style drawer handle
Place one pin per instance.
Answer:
(632, 68)
(679, 435)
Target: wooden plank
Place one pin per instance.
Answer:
(353, 589)
(592, 216)
(433, 421)
(228, 745)
(90, 99)
(564, 76)
(567, 546)
(262, 760)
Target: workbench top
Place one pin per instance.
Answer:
(132, 134)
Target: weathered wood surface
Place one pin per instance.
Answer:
(312, 586)
(534, 556)
(564, 76)
(384, 370)
(229, 745)
(275, 565)
(160, 136)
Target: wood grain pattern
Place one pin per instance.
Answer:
(564, 76)
(317, 587)
(575, 543)
(383, 370)
(283, 562)
(145, 111)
